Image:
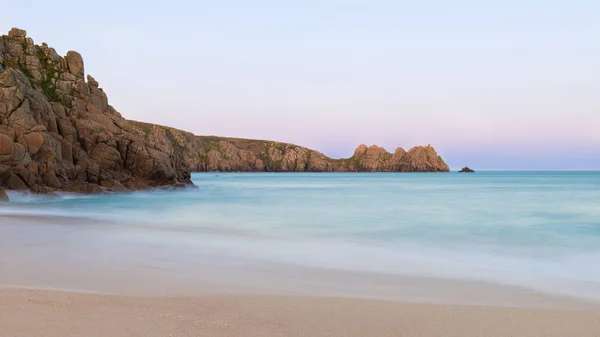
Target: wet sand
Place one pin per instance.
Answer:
(26, 313)
(114, 288)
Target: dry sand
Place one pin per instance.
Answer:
(63, 314)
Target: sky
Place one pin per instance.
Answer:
(493, 85)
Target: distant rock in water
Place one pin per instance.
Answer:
(3, 195)
(466, 169)
(58, 133)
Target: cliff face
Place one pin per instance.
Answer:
(377, 159)
(208, 153)
(58, 132)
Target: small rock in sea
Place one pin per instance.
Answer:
(3, 195)
(466, 169)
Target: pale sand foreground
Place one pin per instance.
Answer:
(192, 304)
(49, 313)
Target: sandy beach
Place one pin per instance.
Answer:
(76, 276)
(25, 313)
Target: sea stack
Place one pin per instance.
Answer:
(466, 170)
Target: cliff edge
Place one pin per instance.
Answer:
(58, 132)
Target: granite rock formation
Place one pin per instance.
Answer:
(220, 154)
(58, 132)
(3, 195)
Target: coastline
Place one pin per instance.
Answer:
(53, 313)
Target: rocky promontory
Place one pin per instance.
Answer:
(221, 154)
(59, 133)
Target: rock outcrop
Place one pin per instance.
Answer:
(220, 154)
(58, 132)
(466, 170)
(3, 195)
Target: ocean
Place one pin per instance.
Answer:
(538, 231)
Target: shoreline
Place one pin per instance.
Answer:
(181, 275)
(302, 282)
(57, 313)
(150, 268)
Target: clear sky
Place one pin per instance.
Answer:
(490, 84)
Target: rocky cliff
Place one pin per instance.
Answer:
(209, 153)
(58, 132)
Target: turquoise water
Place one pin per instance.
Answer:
(537, 230)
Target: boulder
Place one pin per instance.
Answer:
(35, 141)
(91, 81)
(17, 33)
(3, 195)
(75, 63)
(12, 181)
(6, 147)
